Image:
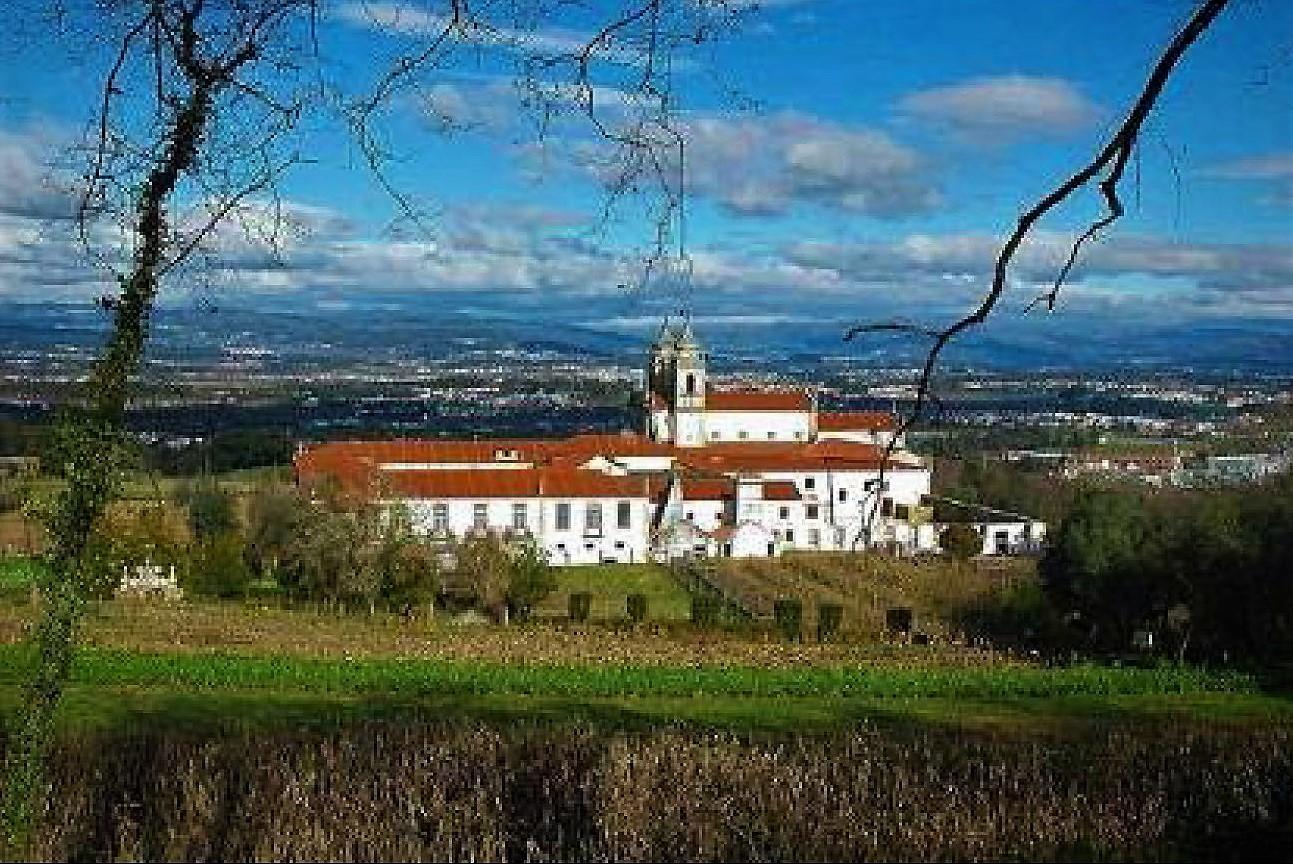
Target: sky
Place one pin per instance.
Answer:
(843, 161)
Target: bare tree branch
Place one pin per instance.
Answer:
(1112, 157)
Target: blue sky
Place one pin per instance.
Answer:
(845, 159)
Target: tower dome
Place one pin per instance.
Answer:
(685, 339)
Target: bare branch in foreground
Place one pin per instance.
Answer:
(1113, 158)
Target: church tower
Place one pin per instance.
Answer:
(660, 363)
(688, 389)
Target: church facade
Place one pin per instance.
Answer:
(710, 472)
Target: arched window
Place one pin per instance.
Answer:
(691, 384)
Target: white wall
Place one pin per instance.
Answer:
(862, 436)
(1012, 538)
(723, 426)
(689, 428)
(571, 546)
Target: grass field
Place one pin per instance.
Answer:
(219, 658)
(228, 731)
(611, 584)
(16, 577)
(413, 677)
(942, 593)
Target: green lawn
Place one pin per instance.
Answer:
(106, 708)
(412, 677)
(610, 585)
(16, 576)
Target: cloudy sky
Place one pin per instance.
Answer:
(843, 160)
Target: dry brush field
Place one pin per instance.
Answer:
(475, 792)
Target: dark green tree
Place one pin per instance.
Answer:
(218, 567)
(530, 579)
(961, 541)
(210, 509)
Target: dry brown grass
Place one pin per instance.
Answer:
(202, 626)
(20, 535)
(474, 792)
(938, 589)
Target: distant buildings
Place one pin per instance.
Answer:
(1156, 466)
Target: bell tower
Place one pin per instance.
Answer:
(688, 390)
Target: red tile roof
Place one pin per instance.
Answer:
(357, 466)
(843, 421)
(757, 400)
(778, 456)
(484, 484)
(780, 490)
(707, 489)
(433, 451)
(722, 488)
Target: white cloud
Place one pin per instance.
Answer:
(954, 267)
(1273, 172)
(1002, 109)
(30, 187)
(769, 165)
(477, 29)
(1272, 166)
(751, 166)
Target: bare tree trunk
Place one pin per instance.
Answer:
(92, 448)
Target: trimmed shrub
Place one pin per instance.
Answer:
(829, 616)
(706, 610)
(898, 619)
(789, 614)
(961, 541)
(581, 604)
(637, 607)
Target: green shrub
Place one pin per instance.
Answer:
(530, 579)
(210, 509)
(789, 614)
(581, 603)
(706, 610)
(829, 616)
(637, 607)
(961, 541)
(219, 567)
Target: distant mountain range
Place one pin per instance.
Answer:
(386, 328)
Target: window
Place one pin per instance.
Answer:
(713, 434)
(814, 537)
(480, 516)
(784, 513)
(844, 495)
(440, 517)
(624, 515)
(691, 517)
(691, 384)
(810, 482)
(790, 535)
(810, 512)
(902, 511)
(772, 435)
(520, 516)
(593, 518)
(563, 515)
(619, 544)
(799, 433)
(743, 434)
(886, 507)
